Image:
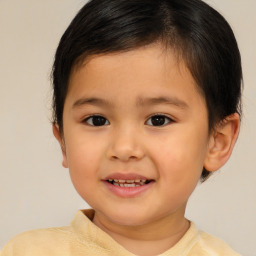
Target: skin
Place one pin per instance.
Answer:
(173, 154)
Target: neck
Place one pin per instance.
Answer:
(149, 239)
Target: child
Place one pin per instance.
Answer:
(146, 103)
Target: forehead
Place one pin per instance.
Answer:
(146, 70)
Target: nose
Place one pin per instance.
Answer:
(125, 145)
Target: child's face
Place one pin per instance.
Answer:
(127, 90)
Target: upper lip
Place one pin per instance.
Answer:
(126, 176)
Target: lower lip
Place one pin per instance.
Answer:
(127, 192)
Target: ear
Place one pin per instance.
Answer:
(221, 143)
(59, 137)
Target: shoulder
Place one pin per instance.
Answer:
(211, 245)
(38, 242)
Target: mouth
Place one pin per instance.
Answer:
(129, 183)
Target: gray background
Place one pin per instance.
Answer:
(36, 192)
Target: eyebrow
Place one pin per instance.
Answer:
(140, 102)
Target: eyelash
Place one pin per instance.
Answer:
(156, 115)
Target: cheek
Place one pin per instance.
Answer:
(181, 161)
(180, 151)
(83, 159)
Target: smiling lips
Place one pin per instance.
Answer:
(128, 183)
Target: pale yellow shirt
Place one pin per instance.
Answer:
(83, 237)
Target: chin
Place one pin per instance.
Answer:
(131, 222)
(129, 218)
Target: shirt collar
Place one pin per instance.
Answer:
(99, 240)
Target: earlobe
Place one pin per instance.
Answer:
(222, 142)
(59, 138)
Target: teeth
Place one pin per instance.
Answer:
(126, 185)
(129, 185)
(126, 181)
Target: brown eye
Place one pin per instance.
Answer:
(159, 120)
(96, 121)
